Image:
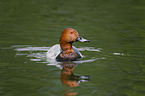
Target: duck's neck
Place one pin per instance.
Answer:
(66, 47)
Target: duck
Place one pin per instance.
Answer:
(65, 50)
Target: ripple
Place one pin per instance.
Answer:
(89, 49)
(38, 54)
(33, 49)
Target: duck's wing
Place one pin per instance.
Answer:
(76, 51)
(53, 52)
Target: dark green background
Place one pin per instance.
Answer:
(115, 26)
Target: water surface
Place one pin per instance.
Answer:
(113, 63)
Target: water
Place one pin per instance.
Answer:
(113, 63)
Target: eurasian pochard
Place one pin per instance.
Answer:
(68, 52)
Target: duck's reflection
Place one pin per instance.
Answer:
(71, 80)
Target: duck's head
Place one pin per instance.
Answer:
(70, 35)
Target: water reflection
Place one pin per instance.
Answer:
(70, 79)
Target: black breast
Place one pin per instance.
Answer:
(68, 57)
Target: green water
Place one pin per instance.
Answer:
(116, 27)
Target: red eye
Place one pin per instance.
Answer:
(71, 32)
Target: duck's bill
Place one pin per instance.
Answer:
(80, 39)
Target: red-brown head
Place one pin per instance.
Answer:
(70, 35)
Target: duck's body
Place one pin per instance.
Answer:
(75, 55)
(55, 51)
(67, 51)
